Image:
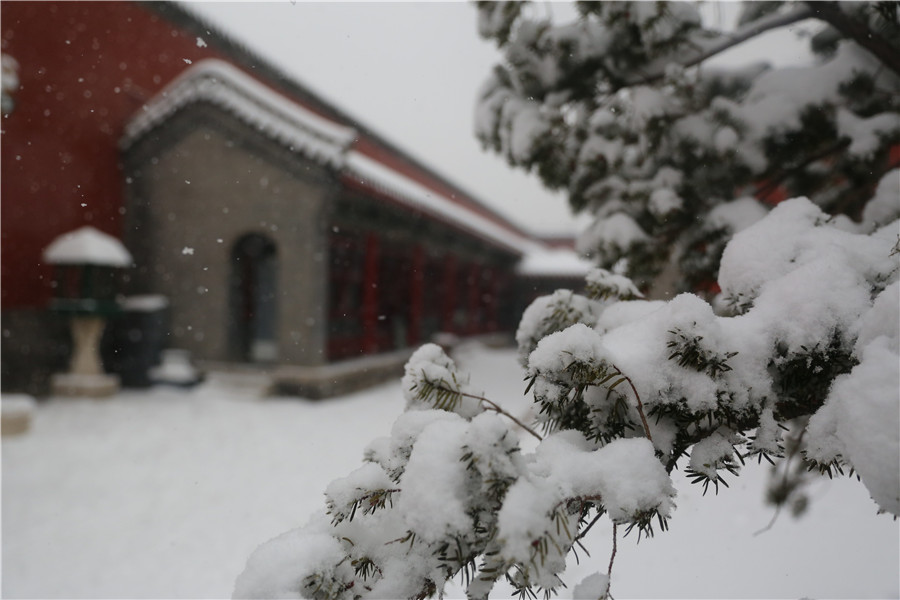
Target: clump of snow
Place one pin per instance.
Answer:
(865, 133)
(648, 103)
(859, 420)
(645, 341)
(17, 404)
(344, 495)
(175, 368)
(866, 415)
(664, 201)
(884, 207)
(554, 262)
(736, 215)
(393, 452)
(726, 139)
(794, 263)
(591, 587)
(624, 476)
(768, 434)
(526, 128)
(430, 367)
(556, 352)
(711, 453)
(87, 246)
(280, 568)
(434, 500)
(621, 313)
(602, 284)
(144, 303)
(612, 235)
(777, 99)
(548, 314)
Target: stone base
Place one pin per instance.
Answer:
(84, 386)
(15, 414)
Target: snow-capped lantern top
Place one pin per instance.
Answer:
(85, 281)
(87, 246)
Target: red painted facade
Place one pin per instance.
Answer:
(85, 68)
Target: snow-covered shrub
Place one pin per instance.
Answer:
(628, 391)
(449, 492)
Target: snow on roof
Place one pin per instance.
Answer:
(87, 245)
(228, 87)
(541, 261)
(281, 119)
(415, 195)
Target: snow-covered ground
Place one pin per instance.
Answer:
(164, 493)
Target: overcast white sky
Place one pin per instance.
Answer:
(410, 71)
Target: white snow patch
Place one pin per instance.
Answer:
(87, 246)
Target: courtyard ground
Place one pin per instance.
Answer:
(164, 493)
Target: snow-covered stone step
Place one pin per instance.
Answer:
(16, 411)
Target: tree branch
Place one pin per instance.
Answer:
(491, 405)
(612, 558)
(773, 181)
(584, 531)
(656, 70)
(640, 405)
(859, 32)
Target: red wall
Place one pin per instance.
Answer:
(84, 69)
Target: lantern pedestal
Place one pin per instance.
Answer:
(86, 260)
(86, 377)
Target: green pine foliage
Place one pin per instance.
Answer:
(796, 362)
(619, 108)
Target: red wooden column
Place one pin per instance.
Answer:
(492, 305)
(473, 299)
(449, 301)
(416, 296)
(370, 295)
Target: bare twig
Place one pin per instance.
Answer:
(491, 405)
(771, 522)
(588, 528)
(612, 558)
(640, 405)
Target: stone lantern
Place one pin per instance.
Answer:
(86, 261)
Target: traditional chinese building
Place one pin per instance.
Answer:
(282, 231)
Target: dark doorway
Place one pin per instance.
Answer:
(254, 295)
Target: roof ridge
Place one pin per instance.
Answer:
(248, 59)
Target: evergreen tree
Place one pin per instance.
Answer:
(621, 110)
(800, 366)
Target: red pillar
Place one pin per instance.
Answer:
(492, 303)
(473, 282)
(416, 296)
(449, 301)
(370, 296)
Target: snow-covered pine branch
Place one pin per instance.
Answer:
(620, 109)
(451, 494)
(798, 361)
